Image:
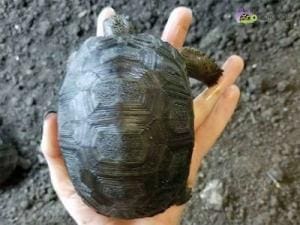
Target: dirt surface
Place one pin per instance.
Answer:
(251, 177)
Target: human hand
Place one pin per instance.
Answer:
(213, 109)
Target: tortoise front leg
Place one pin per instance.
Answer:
(200, 66)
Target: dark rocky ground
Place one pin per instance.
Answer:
(256, 163)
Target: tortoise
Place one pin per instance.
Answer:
(125, 120)
(8, 158)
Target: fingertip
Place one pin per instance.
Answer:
(177, 26)
(232, 92)
(106, 12)
(239, 60)
(48, 122)
(236, 60)
(49, 115)
(49, 145)
(184, 12)
(49, 118)
(232, 69)
(230, 98)
(103, 15)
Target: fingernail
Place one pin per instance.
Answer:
(48, 113)
(107, 12)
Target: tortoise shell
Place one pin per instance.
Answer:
(8, 159)
(126, 125)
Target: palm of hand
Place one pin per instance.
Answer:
(212, 108)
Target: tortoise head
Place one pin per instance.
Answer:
(198, 64)
(117, 25)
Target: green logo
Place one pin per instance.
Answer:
(246, 19)
(245, 16)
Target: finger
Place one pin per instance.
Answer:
(50, 148)
(177, 26)
(218, 118)
(232, 67)
(211, 128)
(104, 14)
(61, 182)
(204, 103)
